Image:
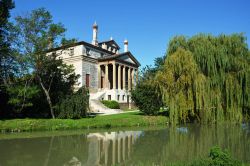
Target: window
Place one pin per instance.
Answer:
(118, 97)
(109, 97)
(123, 97)
(87, 80)
(71, 52)
(88, 51)
(102, 82)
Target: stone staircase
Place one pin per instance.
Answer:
(97, 107)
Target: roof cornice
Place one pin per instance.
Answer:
(80, 43)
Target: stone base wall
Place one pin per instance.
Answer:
(121, 96)
(125, 106)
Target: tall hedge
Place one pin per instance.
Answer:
(74, 106)
(146, 98)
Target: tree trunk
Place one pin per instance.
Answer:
(47, 97)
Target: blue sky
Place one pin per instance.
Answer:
(148, 25)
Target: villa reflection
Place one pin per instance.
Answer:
(110, 148)
(148, 147)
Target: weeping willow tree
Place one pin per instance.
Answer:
(206, 78)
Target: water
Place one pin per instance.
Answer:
(133, 146)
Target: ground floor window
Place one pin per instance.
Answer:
(128, 99)
(109, 97)
(118, 97)
(123, 97)
(87, 80)
(102, 81)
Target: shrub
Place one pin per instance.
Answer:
(147, 98)
(221, 158)
(74, 106)
(111, 104)
(217, 157)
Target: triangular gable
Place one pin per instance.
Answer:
(110, 43)
(126, 58)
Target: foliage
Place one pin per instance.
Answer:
(57, 77)
(6, 60)
(146, 98)
(220, 158)
(21, 94)
(206, 78)
(5, 45)
(65, 41)
(74, 106)
(217, 157)
(111, 104)
(36, 33)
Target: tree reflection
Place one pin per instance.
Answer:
(149, 147)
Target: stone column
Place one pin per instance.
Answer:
(124, 78)
(106, 151)
(133, 78)
(129, 78)
(137, 76)
(129, 145)
(119, 150)
(114, 75)
(123, 148)
(113, 152)
(119, 76)
(99, 77)
(107, 76)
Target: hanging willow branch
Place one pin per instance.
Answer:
(206, 77)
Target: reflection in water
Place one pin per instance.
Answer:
(111, 148)
(148, 147)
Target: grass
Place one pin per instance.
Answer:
(119, 120)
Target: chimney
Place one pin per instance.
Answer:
(125, 45)
(104, 46)
(95, 30)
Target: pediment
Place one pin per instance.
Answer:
(126, 58)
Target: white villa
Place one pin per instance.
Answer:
(109, 73)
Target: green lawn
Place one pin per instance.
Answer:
(119, 120)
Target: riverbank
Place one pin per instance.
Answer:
(109, 121)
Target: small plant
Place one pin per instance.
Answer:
(111, 104)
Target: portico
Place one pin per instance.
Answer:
(115, 75)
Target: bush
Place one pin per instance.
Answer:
(74, 106)
(111, 104)
(147, 99)
(221, 158)
(217, 157)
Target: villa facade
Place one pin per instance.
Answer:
(102, 67)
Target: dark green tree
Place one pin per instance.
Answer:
(6, 59)
(146, 98)
(65, 41)
(36, 34)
